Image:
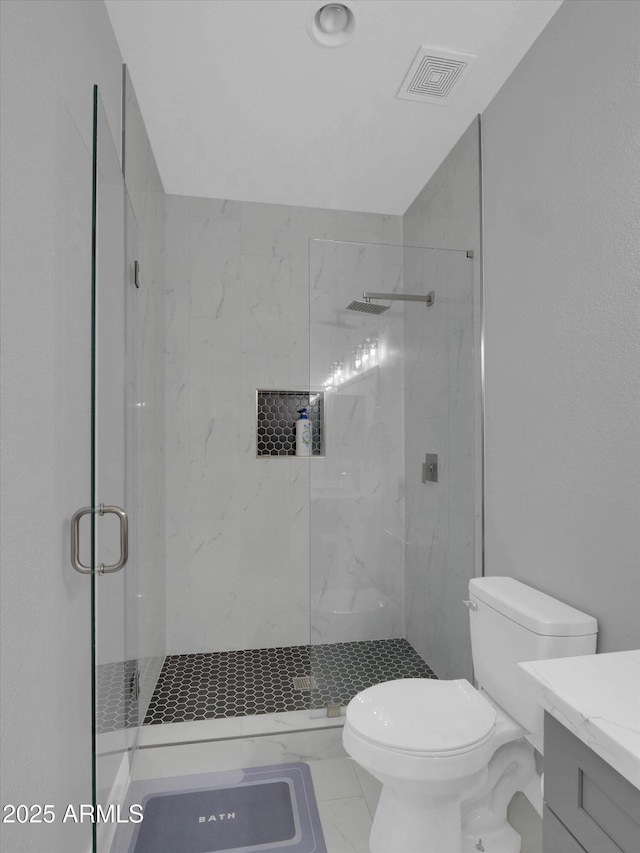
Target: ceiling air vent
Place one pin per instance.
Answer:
(433, 75)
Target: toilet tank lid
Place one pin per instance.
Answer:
(531, 608)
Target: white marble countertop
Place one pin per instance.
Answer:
(596, 697)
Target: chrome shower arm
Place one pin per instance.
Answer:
(429, 298)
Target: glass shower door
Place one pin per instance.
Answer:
(113, 578)
(389, 548)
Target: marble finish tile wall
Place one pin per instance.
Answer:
(442, 382)
(237, 527)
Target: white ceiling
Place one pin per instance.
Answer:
(240, 103)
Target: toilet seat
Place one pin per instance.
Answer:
(422, 716)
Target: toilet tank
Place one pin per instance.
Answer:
(511, 623)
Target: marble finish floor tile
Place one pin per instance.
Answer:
(370, 786)
(346, 825)
(346, 794)
(335, 779)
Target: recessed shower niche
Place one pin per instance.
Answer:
(276, 416)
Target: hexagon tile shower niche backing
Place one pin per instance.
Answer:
(276, 416)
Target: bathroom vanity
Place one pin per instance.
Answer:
(591, 751)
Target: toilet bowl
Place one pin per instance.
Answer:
(451, 756)
(430, 743)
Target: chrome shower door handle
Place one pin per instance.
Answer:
(75, 539)
(124, 538)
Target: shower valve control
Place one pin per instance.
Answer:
(430, 468)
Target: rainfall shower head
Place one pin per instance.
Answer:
(367, 307)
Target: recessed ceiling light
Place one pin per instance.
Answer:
(331, 25)
(332, 18)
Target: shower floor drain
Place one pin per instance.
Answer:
(304, 682)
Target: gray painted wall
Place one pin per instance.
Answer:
(52, 54)
(562, 207)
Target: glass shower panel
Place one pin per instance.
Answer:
(392, 382)
(356, 508)
(115, 674)
(441, 399)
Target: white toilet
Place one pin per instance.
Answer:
(451, 756)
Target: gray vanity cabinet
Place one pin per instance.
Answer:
(589, 807)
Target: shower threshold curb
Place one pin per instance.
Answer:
(235, 727)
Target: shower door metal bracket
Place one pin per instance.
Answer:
(75, 539)
(430, 468)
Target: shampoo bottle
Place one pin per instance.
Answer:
(303, 434)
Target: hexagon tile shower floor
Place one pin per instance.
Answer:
(261, 681)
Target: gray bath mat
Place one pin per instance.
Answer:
(261, 808)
